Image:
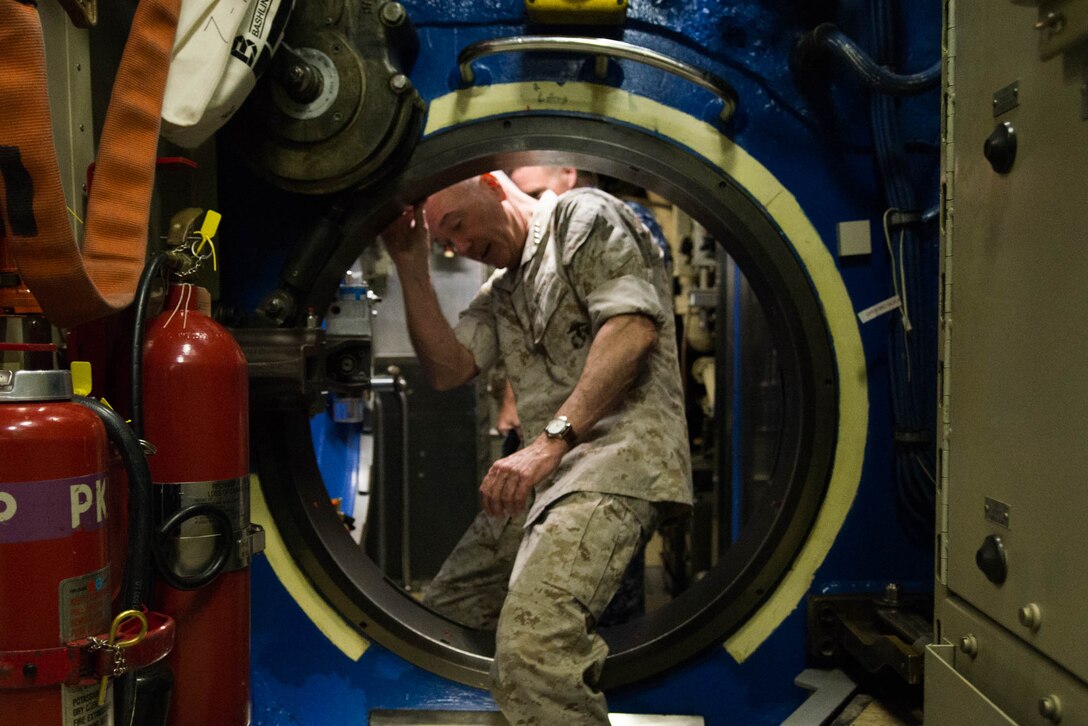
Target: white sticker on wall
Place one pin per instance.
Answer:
(879, 309)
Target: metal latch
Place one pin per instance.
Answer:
(1062, 24)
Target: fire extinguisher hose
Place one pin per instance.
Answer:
(136, 587)
(220, 558)
(143, 294)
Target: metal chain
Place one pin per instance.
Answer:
(120, 664)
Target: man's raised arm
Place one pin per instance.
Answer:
(446, 363)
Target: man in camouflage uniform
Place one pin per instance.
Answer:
(578, 311)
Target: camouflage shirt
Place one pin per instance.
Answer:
(586, 259)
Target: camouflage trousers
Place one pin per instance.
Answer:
(569, 564)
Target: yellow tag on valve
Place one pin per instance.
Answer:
(207, 231)
(81, 378)
(210, 226)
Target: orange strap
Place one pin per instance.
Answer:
(71, 287)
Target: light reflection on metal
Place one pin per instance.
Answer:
(603, 48)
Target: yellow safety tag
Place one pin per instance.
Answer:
(211, 224)
(207, 231)
(81, 378)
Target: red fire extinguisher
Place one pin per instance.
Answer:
(54, 555)
(195, 408)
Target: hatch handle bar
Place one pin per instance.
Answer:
(603, 49)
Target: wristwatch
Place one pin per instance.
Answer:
(560, 428)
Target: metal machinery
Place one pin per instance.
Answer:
(743, 115)
(1008, 612)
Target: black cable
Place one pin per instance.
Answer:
(826, 38)
(143, 294)
(136, 587)
(909, 364)
(136, 583)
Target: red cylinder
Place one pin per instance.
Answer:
(54, 561)
(195, 403)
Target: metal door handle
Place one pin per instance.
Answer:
(603, 48)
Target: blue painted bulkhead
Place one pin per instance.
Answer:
(818, 142)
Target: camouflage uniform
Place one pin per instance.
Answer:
(472, 585)
(587, 259)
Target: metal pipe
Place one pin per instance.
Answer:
(828, 39)
(397, 384)
(601, 47)
(383, 491)
(405, 513)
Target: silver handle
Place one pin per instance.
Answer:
(603, 48)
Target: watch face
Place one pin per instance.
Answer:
(556, 427)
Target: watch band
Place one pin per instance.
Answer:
(567, 432)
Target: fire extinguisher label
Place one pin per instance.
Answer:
(85, 605)
(32, 511)
(85, 610)
(229, 495)
(81, 706)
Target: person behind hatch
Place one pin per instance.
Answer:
(578, 313)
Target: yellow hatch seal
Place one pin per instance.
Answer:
(476, 103)
(328, 621)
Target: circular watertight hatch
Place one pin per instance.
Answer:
(748, 571)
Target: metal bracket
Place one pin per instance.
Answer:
(875, 632)
(1062, 25)
(285, 364)
(830, 689)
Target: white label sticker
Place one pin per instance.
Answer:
(81, 706)
(879, 309)
(85, 605)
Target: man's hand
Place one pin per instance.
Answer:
(406, 238)
(507, 484)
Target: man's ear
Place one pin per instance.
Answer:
(490, 182)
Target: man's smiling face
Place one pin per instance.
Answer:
(473, 219)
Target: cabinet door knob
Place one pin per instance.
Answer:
(990, 558)
(1000, 148)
